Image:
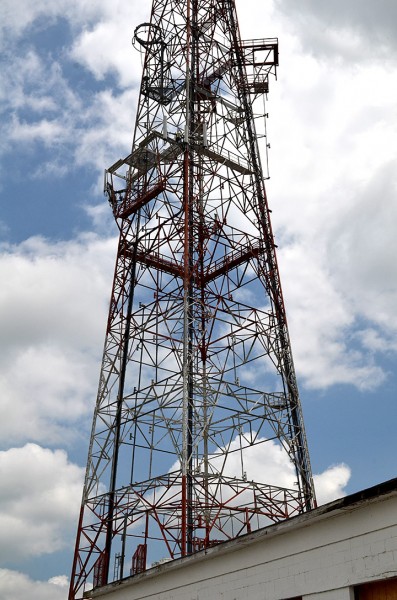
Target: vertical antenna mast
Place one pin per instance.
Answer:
(197, 377)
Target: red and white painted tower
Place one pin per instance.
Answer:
(197, 374)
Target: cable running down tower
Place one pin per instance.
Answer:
(197, 384)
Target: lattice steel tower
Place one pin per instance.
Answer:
(197, 376)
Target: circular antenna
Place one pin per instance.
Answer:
(147, 35)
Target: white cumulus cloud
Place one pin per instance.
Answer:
(39, 500)
(53, 306)
(330, 484)
(18, 586)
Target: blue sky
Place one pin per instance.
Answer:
(68, 93)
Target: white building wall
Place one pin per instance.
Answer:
(319, 556)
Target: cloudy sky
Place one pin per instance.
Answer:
(68, 93)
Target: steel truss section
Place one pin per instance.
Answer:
(197, 378)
